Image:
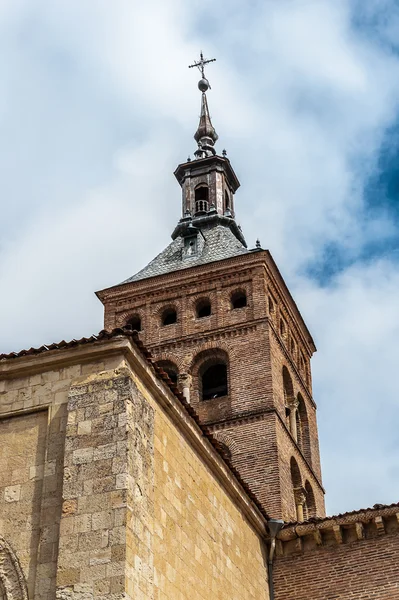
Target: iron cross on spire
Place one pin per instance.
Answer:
(201, 64)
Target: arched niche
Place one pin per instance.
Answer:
(12, 581)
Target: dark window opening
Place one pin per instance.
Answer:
(134, 323)
(169, 316)
(214, 382)
(226, 200)
(239, 300)
(201, 200)
(203, 309)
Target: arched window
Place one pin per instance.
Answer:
(289, 403)
(134, 322)
(298, 495)
(310, 501)
(238, 299)
(303, 431)
(287, 385)
(295, 474)
(169, 316)
(214, 381)
(226, 200)
(170, 368)
(203, 308)
(201, 199)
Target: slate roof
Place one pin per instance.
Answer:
(219, 243)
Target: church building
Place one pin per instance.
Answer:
(175, 454)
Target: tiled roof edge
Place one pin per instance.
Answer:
(352, 513)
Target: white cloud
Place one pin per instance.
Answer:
(98, 107)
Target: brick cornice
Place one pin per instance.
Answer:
(219, 269)
(215, 334)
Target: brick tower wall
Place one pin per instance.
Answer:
(251, 341)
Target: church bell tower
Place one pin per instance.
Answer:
(219, 319)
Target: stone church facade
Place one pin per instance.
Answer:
(175, 455)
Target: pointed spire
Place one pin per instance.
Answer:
(205, 136)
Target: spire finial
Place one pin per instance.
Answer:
(201, 66)
(205, 136)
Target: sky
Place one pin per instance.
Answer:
(98, 107)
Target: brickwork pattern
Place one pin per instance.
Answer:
(365, 570)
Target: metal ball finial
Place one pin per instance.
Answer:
(203, 85)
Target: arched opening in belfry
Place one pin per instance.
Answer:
(295, 474)
(201, 199)
(298, 495)
(169, 316)
(226, 200)
(303, 431)
(310, 501)
(238, 299)
(203, 308)
(170, 369)
(214, 381)
(288, 388)
(134, 322)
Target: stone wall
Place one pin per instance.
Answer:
(22, 464)
(33, 415)
(105, 547)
